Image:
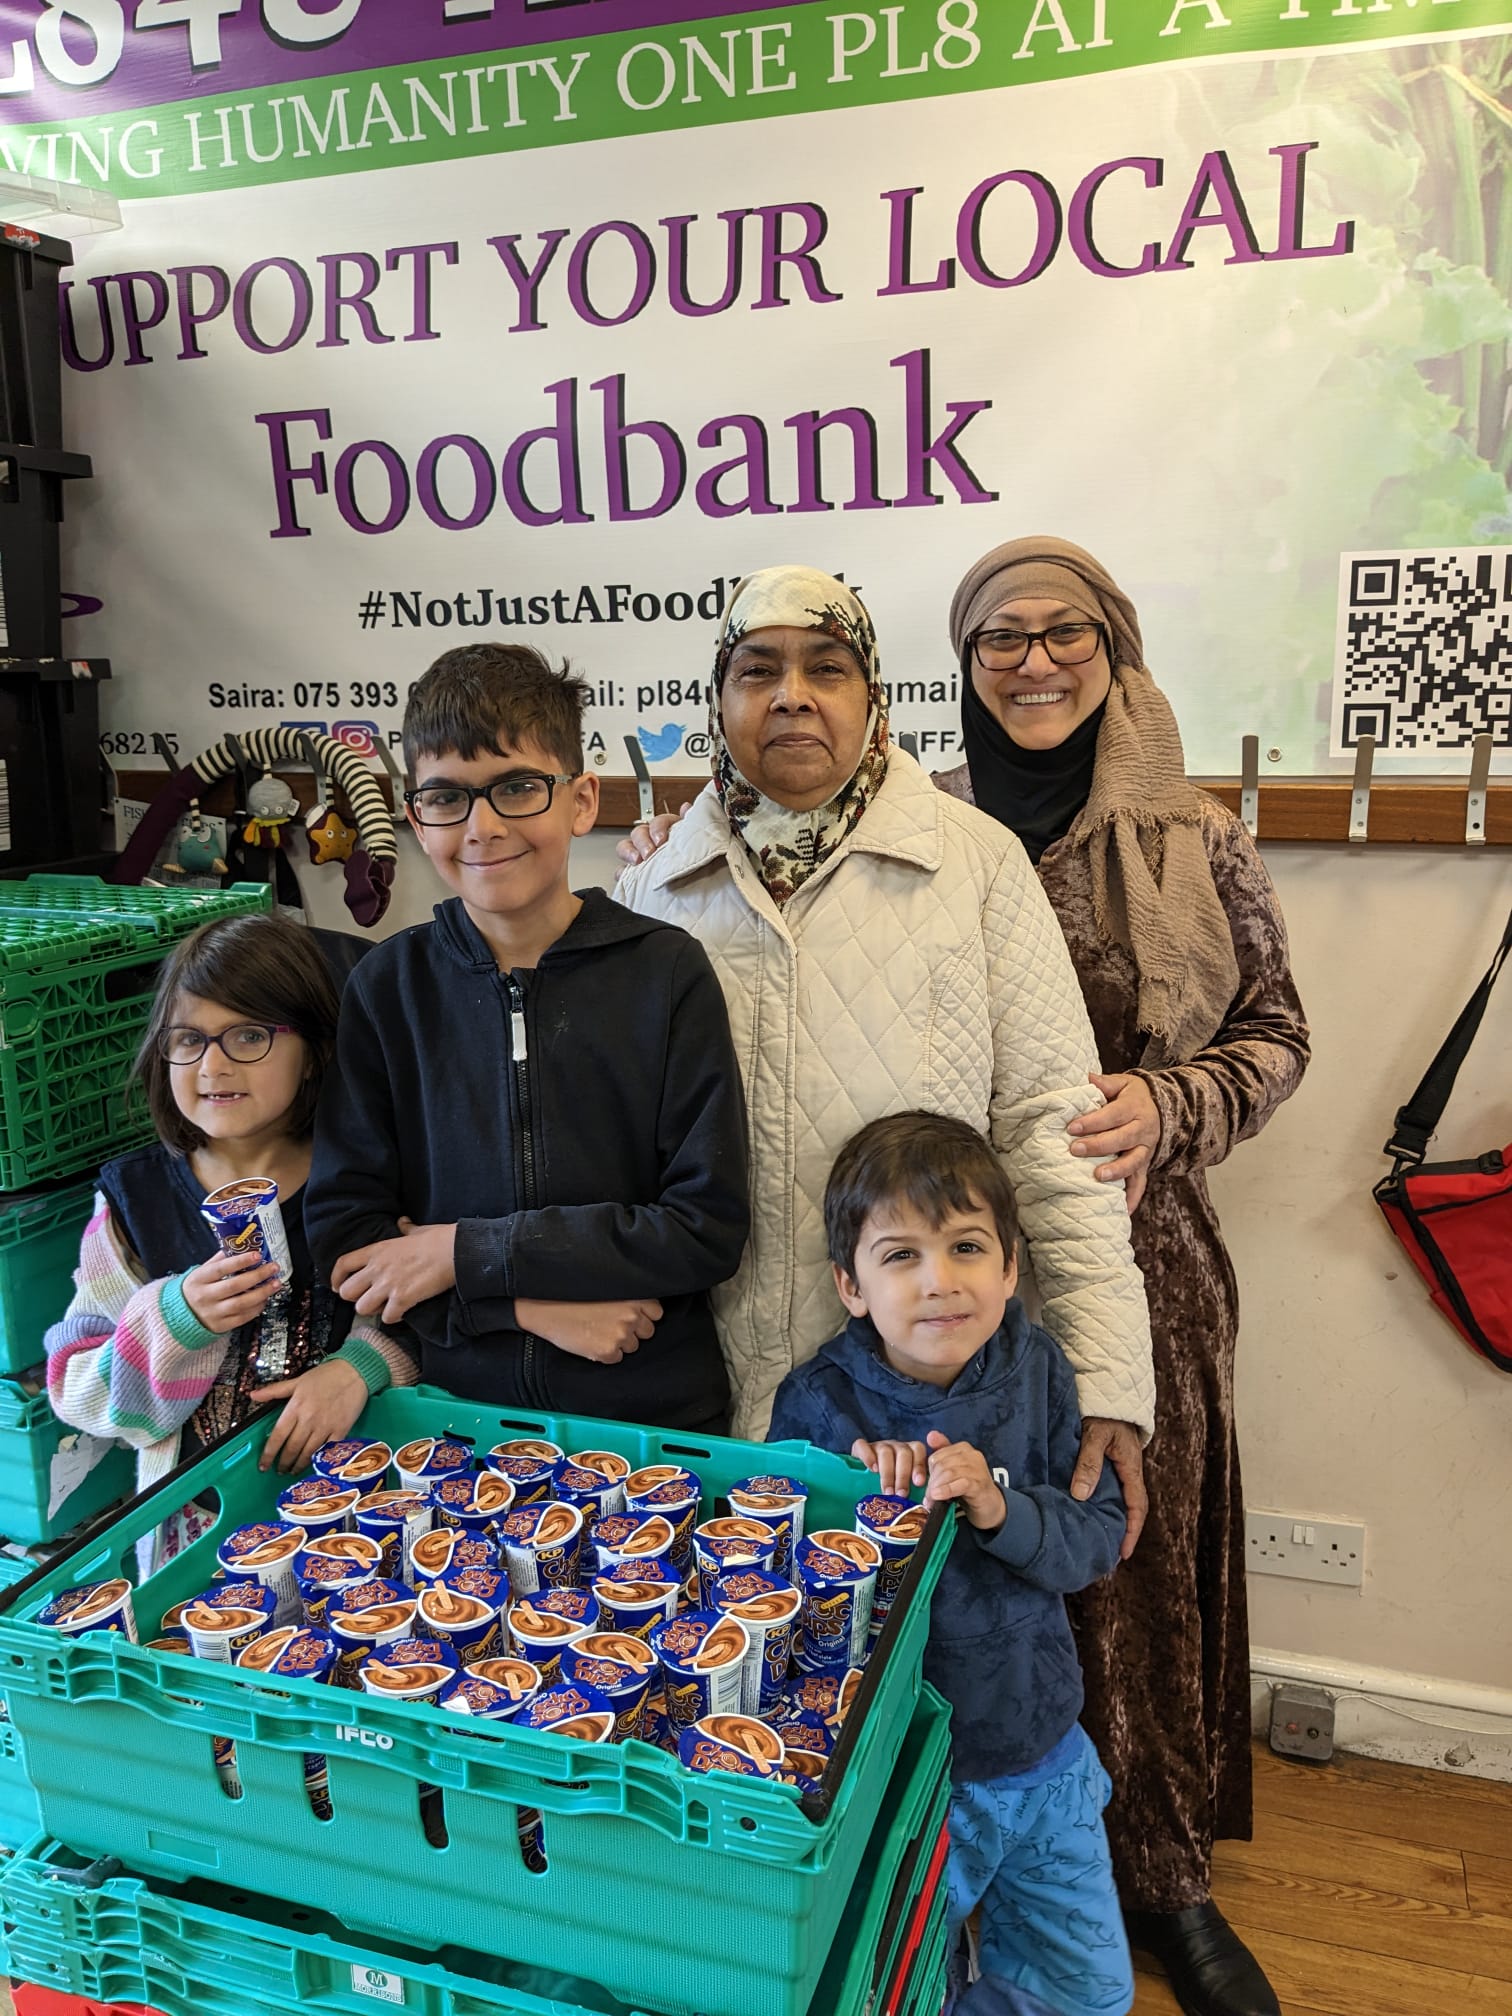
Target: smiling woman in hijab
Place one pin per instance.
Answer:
(1179, 946)
(882, 947)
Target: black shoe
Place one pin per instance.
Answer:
(1212, 1971)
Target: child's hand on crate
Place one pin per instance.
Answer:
(228, 1290)
(958, 1471)
(323, 1406)
(897, 1464)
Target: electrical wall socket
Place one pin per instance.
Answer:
(1311, 1549)
(1302, 1722)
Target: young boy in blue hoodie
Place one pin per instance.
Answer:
(941, 1380)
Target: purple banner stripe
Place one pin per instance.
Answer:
(154, 67)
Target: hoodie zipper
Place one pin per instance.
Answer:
(519, 1050)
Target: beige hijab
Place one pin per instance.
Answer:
(1152, 884)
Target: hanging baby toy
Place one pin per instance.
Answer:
(330, 837)
(194, 847)
(270, 807)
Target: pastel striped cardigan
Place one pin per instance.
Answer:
(131, 1360)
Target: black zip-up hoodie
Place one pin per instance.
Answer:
(581, 1123)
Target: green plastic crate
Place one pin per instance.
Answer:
(78, 966)
(743, 1886)
(39, 1249)
(30, 1437)
(200, 1950)
(20, 1817)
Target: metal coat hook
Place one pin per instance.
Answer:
(642, 777)
(401, 778)
(910, 742)
(160, 744)
(1249, 785)
(1359, 797)
(1475, 804)
(311, 756)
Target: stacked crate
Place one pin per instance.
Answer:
(49, 705)
(665, 1893)
(78, 965)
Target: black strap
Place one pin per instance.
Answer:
(1417, 1121)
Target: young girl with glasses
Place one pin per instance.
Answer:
(169, 1342)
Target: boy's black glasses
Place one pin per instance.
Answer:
(246, 1043)
(520, 797)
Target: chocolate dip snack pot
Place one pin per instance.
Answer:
(897, 1526)
(374, 1613)
(620, 1666)
(435, 1553)
(837, 1572)
(729, 1542)
(95, 1606)
(480, 1700)
(266, 1553)
(518, 1681)
(736, 1743)
(318, 1505)
(422, 1462)
(780, 1501)
(568, 1710)
(541, 1627)
(609, 1464)
(226, 1618)
(473, 1503)
(768, 1607)
(395, 1519)
(290, 1652)
(354, 1461)
(529, 1470)
(245, 1218)
(702, 1656)
(463, 1608)
(411, 1669)
(590, 1489)
(626, 1536)
(675, 1493)
(637, 1594)
(542, 1545)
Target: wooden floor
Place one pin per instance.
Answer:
(1369, 1890)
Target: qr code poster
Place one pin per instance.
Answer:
(1424, 655)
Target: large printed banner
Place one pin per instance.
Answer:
(545, 320)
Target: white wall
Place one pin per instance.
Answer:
(1356, 1399)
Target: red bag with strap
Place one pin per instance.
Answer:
(1455, 1218)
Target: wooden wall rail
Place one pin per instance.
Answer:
(1407, 811)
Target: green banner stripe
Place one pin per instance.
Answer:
(713, 72)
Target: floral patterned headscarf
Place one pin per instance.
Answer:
(788, 846)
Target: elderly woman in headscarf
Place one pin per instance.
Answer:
(1179, 946)
(883, 947)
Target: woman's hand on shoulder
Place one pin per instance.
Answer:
(1127, 1129)
(642, 841)
(228, 1290)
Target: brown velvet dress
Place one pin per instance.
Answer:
(1164, 1640)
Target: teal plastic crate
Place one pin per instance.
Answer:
(743, 1886)
(78, 965)
(31, 1437)
(39, 1249)
(20, 1817)
(199, 1950)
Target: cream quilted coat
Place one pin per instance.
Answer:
(921, 965)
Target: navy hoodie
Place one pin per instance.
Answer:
(583, 1125)
(1000, 1649)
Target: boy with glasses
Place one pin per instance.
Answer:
(531, 1149)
